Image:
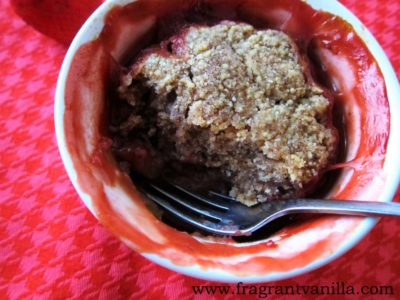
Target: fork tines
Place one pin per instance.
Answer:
(209, 214)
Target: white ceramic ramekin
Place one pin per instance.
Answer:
(90, 31)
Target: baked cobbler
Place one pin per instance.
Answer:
(233, 100)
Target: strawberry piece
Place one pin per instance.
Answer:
(58, 19)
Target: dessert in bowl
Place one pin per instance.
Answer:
(226, 101)
(346, 75)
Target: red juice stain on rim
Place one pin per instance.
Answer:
(355, 81)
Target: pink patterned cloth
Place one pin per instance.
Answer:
(51, 247)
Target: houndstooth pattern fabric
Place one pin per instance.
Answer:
(51, 247)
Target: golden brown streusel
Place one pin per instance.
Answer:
(235, 98)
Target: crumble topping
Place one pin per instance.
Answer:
(232, 98)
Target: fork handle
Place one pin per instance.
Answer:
(344, 207)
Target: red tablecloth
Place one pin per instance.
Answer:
(51, 247)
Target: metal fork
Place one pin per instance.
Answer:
(222, 215)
